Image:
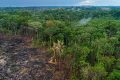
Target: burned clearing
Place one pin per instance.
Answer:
(19, 62)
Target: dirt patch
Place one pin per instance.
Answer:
(20, 61)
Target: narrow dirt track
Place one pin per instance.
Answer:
(18, 61)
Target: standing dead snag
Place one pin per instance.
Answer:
(57, 51)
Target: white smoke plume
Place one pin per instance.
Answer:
(85, 20)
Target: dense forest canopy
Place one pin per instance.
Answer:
(90, 35)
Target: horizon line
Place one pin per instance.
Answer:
(64, 6)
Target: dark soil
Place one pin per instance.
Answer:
(19, 61)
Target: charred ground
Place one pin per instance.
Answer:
(20, 62)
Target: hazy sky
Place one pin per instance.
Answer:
(11, 3)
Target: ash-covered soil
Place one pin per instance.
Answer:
(20, 62)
